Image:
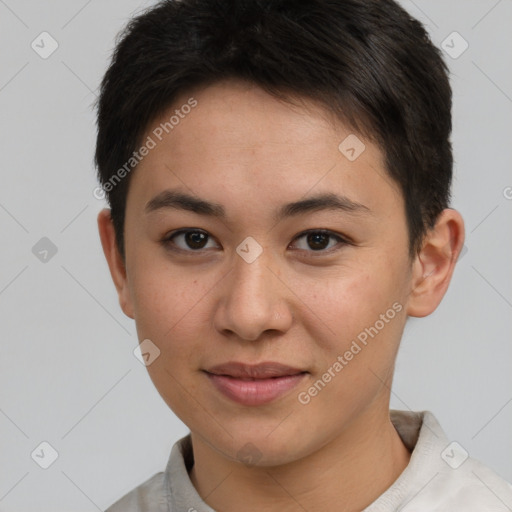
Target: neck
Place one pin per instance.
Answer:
(345, 475)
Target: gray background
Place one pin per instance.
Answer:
(68, 375)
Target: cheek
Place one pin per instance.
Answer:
(169, 307)
(348, 301)
(356, 362)
(170, 311)
(363, 311)
(161, 292)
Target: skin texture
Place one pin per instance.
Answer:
(251, 153)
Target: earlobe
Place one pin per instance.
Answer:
(434, 264)
(114, 260)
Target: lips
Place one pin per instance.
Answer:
(260, 371)
(254, 384)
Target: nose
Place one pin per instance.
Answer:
(253, 300)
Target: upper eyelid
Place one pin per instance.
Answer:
(333, 234)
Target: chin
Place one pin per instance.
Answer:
(265, 444)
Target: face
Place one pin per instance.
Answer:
(320, 286)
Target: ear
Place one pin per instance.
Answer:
(114, 260)
(434, 264)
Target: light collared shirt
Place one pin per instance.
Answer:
(440, 477)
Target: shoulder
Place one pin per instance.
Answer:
(147, 497)
(461, 482)
(165, 491)
(441, 476)
(472, 487)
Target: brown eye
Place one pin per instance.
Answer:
(195, 239)
(187, 240)
(319, 241)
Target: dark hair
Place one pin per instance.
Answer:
(368, 61)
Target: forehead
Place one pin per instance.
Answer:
(239, 137)
(242, 114)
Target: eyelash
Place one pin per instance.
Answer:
(342, 241)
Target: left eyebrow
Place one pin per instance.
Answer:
(181, 201)
(329, 201)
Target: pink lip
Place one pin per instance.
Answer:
(254, 384)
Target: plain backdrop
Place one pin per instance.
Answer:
(68, 376)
